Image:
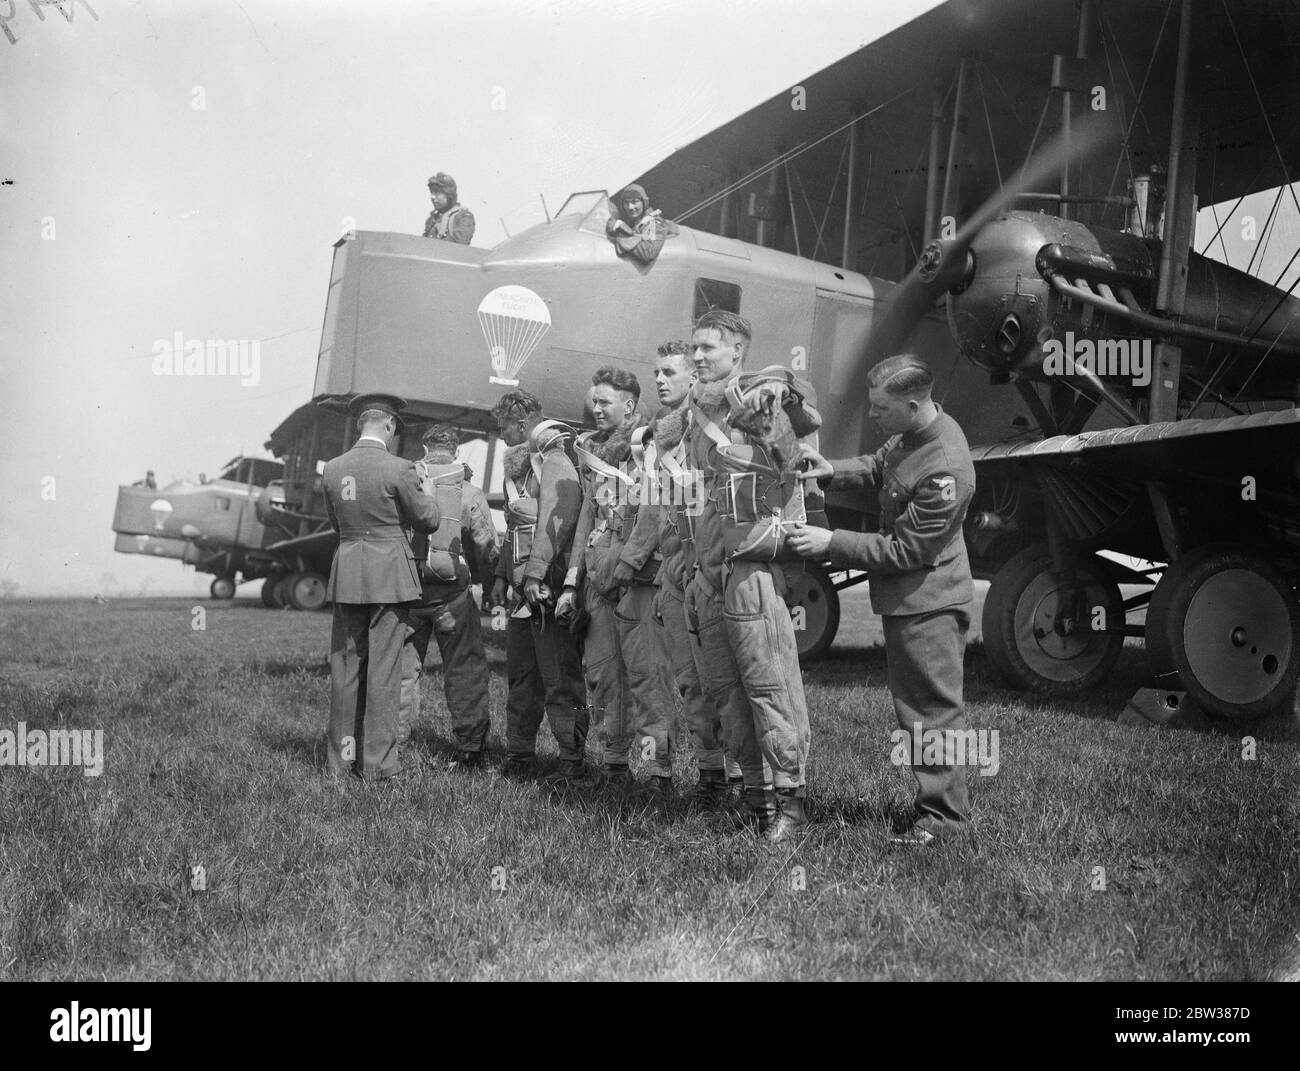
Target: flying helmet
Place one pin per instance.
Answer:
(444, 182)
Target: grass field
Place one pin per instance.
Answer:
(213, 756)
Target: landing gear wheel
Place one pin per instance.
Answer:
(268, 590)
(305, 591)
(280, 593)
(814, 605)
(1226, 622)
(222, 588)
(1027, 642)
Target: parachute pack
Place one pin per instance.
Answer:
(756, 496)
(444, 482)
(522, 506)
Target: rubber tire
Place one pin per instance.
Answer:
(1166, 636)
(268, 591)
(811, 589)
(305, 591)
(280, 593)
(999, 622)
(222, 588)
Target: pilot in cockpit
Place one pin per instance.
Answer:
(638, 231)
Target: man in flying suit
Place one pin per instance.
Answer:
(450, 220)
(598, 574)
(746, 652)
(649, 677)
(918, 567)
(370, 498)
(668, 510)
(638, 231)
(447, 610)
(543, 661)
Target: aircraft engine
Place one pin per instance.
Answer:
(1034, 288)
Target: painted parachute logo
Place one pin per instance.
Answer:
(513, 320)
(161, 510)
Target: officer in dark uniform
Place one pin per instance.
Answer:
(371, 497)
(449, 220)
(447, 610)
(918, 567)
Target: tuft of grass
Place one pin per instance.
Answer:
(213, 760)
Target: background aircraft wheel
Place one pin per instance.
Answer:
(815, 604)
(1227, 623)
(1027, 644)
(306, 591)
(268, 590)
(280, 593)
(222, 588)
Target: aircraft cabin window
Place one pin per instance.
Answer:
(715, 294)
(223, 505)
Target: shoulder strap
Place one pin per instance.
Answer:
(719, 437)
(602, 468)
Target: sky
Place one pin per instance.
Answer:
(185, 167)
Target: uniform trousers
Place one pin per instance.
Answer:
(366, 645)
(924, 654)
(454, 623)
(545, 673)
(762, 639)
(677, 664)
(606, 676)
(653, 712)
(719, 676)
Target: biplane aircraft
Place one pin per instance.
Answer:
(233, 527)
(1010, 188)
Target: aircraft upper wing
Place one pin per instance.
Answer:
(1007, 96)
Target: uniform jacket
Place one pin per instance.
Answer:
(918, 561)
(603, 530)
(454, 224)
(559, 499)
(667, 511)
(478, 539)
(370, 497)
(798, 418)
(647, 237)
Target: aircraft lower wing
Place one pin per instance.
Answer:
(1133, 489)
(1182, 450)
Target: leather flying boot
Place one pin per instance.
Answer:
(709, 791)
(761, 805)
(791, 819)
(614, 780)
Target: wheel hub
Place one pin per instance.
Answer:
(1058, 636)
(1237, 634)
(1054, 645)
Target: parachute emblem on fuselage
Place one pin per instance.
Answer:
(513, 319)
